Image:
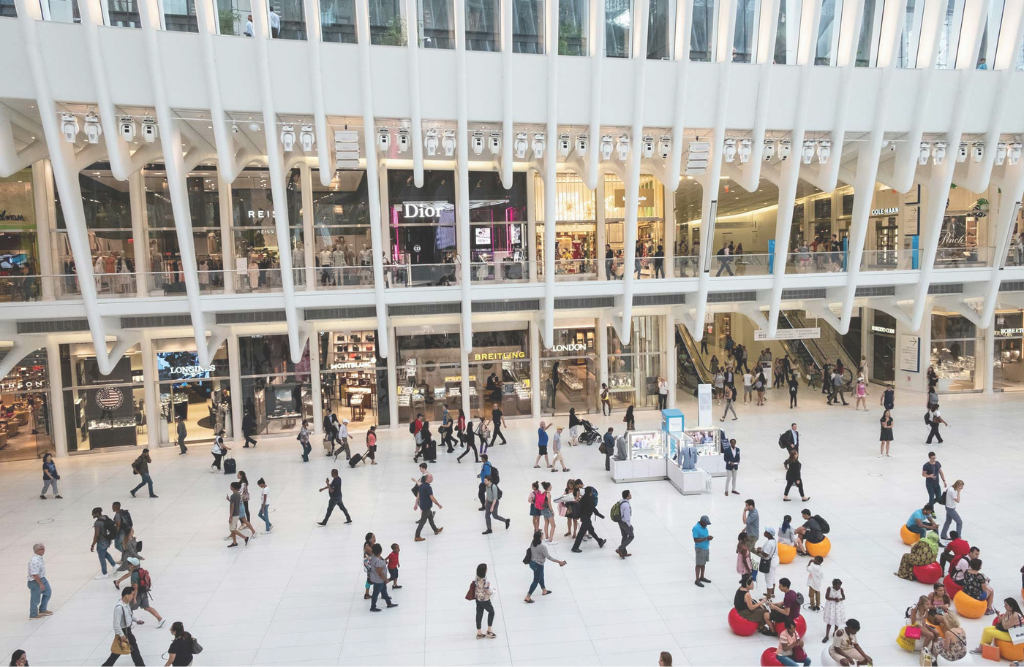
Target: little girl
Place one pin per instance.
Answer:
(371, 539)
(815, 575)
(835, 611)
(744, 564)
(861, 392)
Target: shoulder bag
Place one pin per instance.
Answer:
(471, 593)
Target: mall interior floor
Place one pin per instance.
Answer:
(295, 596)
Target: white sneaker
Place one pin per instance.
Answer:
(101, 576)
(161, 623)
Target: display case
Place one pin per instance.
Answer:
(645, 460)
(645, 445)
(708, 442)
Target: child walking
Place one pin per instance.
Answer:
(392, 560)
(835, 611)
(815, 575)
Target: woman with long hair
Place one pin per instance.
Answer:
(744, 566)
(885, 438)
(535, 501)
(548, 512)
(243, 514)
(539, 554)
(19, 659)
(952, 500)
(1000, 629)
(460, 427)
(793, 476)
(570, 500)
(785, 535)
(371, 445)
(483, 592)
(180, 651)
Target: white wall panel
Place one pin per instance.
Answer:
(182, 63)
(128, 77)
(239, 89)
(65, 61)
(437, 83)
(485, 93)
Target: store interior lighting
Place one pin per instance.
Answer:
(494, 143)
(288, 138)
(403, 140)
(521, 145)
(648, 146)
(730, 150)
(448, 143)
(938, 152)
(149, 131)
(978, 151)
(430, 142)
(924, 153)
(383, 139)
(1001, 152)
(1013, 153)
(622, 147)
(127, 128)
(824, 150)
(665, 147)
(581, 145)
(744, 150)
(769, 149)
(606, 147)
(477, 143)
(784, 148)
(538, 146)
(69, 127)
(92, 128)
(307, 138)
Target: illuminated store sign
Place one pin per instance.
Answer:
(499, 356)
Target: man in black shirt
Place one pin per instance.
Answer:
(609, 261)
(425, 502)
(659, 262)
(498, 419)
(334, 484)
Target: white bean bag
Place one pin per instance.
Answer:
(826, 657)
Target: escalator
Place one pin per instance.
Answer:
(814, 353)
(691, 368)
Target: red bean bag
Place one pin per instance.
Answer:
(951, 586)
(740, 625)
(799, 622)
(768, 658)
(928, 574)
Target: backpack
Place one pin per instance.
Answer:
(412, 427)
(528, 557)
(616, 513)
(108, 531)
(126, 521)
(782, 441)
(928, 418)
(145, 582)
(135, 466)
(494, 476)
(500, 494)
(593, 495)
(538, 499)
(824, 524)
(942, 498)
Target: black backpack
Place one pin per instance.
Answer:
(824, 524)
(494, 476)
(782, 441)
(412, 427)
(928, 418)
(126, 521)
(108, 531)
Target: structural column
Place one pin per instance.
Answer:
(536, 384)
(235, 382)
(151, 396)
(308, 238)
(602, 230)
(137, 199)
(986, 357)
(669, 346)
(227, 239)
(601, 340)
(40, 173)
(670, 239)
(314, 379)
(56, 397)
(392, 360)
(531, 222)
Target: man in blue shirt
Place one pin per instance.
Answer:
(542, 445)
(922, 520)
(702, 547)
(425, 501)
(485, 470)
(609, 447)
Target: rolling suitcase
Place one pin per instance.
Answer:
(354, 461)
(430, 453)
(229, 467)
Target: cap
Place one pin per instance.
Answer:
(134, 561)
(705, 519)
(770, 531)
(344, 421)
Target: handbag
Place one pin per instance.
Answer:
(912, 632)
(926, 659)
(197, 648)
(1017, 635)
(528, 557)
(765, 566)
(120, 645)
(990, 652)
(471, 593)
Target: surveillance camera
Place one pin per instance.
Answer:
(581, 145)
(730, 150)
(824, 150)
(924, 153)
(92, 128)
(448, 143)
(1013, 153)
(521, 145)
(431, 142)
(622, 147)
(69, 127)
(477, 143)
(807, 152)
(234, 128)
(938, 152)
(538, 146)
(307, 138)
(1001, 152)
(979, 151)
(745, 149)
(665, 147)
(127, 128)
(494, 143)
(647, 146)
(403, 140)
(961, 153)
(564, 144)
(383, 139)
(149, 130)
(769, 149)
(784, 148)
(288, 138)
(606, 147)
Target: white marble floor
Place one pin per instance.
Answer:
(295, 596)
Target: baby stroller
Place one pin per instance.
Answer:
(590, 434)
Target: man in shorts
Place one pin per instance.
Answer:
(542, 445)
(234, 500)
(702, 549)
(556, 446)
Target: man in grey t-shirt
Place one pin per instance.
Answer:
(379, 579)
(752, 522)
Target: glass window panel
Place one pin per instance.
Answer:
(573, 27)
(946, 57)
(180, 16)
(830, 15)
(338, 21)
(287, 19)
(436, 30)
(746, 26)
(903, 59)
(781, 38)
(618, 19)
(64, 11)
(7, 9)
(867, 29)
(386, 25)
(527, 26)
(483, 25)
(659, 30)
(124, 13)
(230, 19)
(702, 31)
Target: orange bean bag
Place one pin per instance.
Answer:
(928, 574)
(952, 588)
(768, 658)
(909, 536)
(740, 625)
(787, 553)
(799, 622)
(818, 548)
(968, 607)
(1010, 651)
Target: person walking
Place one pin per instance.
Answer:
(249, 428)
(498, 419)
(219, 450)
(860, 392)
(334, 484)
(379, 579)
(622, 514)
(38, 585)
(264, 512)
(482, 593)
(124, 641)
(547, 511)
(933, 418)
(730, 398)
(793, 477)
(608, 443)
(932, 473)
(791, 438)
(244, 514)
(180, 652)
(425, 501)
(234, 511)
(103, 533)
(538, 554)
(303, 438)
(182, 433)
(575, 424)
(732, 465)
(50, 477)
(587, 508)
(469, 440)
(485, 471)
(140, 467)
(139, 579)
(628, 419)
(492, 495)
(542, 445)
(760, 382)
(330, 425)
(556, 447)
(952, 501)
(748, 388)
(839, 388)
(371, 445)
(342, 436)
(794, 387)
(702, 550)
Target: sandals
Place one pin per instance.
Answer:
(546, 593)
(491, 635)
(480, 636)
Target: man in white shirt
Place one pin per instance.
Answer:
(123, 622)
(343, 437)
(249, 32)
(556, 447)
(625, 524)
(748, 387)
(769, 550)
(275, 24)
(38, 586)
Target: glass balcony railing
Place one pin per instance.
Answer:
(889, 260)
(816, 262)
(500, 272)
(741, 265)
(421, 275)
(572, 269)
(686, 267)
(975, 256)
(1015, 255)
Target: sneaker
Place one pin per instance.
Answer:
(101, 576)
(161, 623)
(697, 583)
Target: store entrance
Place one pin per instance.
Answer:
(201, 406)
(569, 383)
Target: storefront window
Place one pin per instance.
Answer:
(650, 234)
(353, 379)
(108, 218)
(634, 369)
(575, 228)
(165, 266)
(19, 258)
(500, 364)
(497, 219)
(196, 393)
(257, 261)
(422, 222)
(341, 227)
(275, 390)
(429, 373)
(883, 338)
(1008, 354)
(25, 427)
(958, 242)
(569, 370)
(102, 411)
(954, 340)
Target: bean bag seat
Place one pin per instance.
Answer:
(818, 548)
(968, 659)
(1009, 651)
(968, 607)
(904, 642)
(951, 586)
(928, 574)
(768, 658)
(740, 625)
(787, 553)
(909, 536)
(799, 622)
(826, 658)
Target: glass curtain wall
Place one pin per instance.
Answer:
(341, 229)
(436, 29)
(353, 378)
(287, 19)
(650, 220)
(954, 344)
(528, 26)
(659, 30)
(634, 369)
(124, 13)
(25, 426)
(102, 411)
(275, 390)
(500, 367)
(498, 227)
(422, 229)
(338, 21)
(618, 22)
(575, 227)
(20, 270)
(569, 370)
(867, 35)
(743, 35)
(387, 26)
(429, 374)
(1008, 354)
(905, 58)
(483, 25)
(573, 27)
(180, 16)
(702, 32)
(198, 394)
(828, 32)
(257, 262)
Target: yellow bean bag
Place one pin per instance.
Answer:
(1009, 651)
(909, 536)
(904, 642)
(787, 553)
(818, 548)
(968, 607)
